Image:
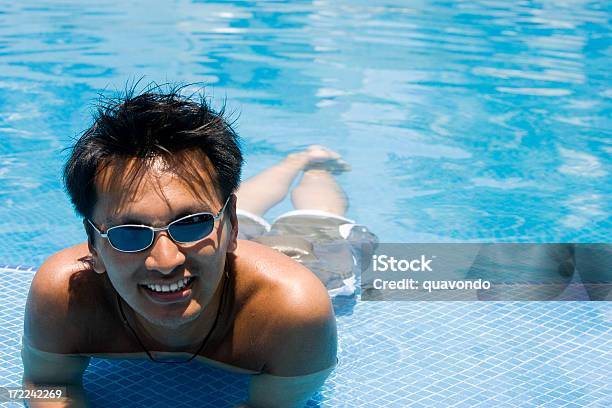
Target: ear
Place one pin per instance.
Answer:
(233, 239)
(97, 263)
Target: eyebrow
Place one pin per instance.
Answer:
(140, 220)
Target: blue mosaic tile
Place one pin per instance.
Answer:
(392, 354)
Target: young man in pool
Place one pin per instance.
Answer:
(164, 275)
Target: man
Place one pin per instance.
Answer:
(163, 274)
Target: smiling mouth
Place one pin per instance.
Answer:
(175, 286)
(177, 290)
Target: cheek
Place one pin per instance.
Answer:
(206, 250)
(120, 267)
(206, 263)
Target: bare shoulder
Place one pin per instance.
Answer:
(277, 277)
(292, 311)
(56, 305)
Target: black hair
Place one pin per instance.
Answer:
(157, 123)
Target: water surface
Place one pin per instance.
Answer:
(465, 120)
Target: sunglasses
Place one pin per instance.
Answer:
(185, 230)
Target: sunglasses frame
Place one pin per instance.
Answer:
(155, 230)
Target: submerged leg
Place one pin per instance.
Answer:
(318, 190)
(266, 189)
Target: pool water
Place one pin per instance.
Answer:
(480, 121)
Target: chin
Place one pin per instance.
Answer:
(175, 318)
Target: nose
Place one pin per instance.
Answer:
(164, 255)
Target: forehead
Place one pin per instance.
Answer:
(155, 188)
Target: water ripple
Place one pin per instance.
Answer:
(465, 120)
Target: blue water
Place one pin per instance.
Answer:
(463, 121)
(470, 121)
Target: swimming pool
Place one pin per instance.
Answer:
(392, 354)
(464, 121)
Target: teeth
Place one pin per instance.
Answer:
(169, 288)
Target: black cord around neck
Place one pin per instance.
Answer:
(225, 278)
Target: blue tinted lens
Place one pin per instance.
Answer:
(130, 239)
(192, 228)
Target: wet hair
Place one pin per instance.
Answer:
(158, 123)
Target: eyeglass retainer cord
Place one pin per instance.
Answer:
(212, 329)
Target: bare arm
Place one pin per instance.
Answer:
(51, 370)
(50, 339)
(302, 348)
